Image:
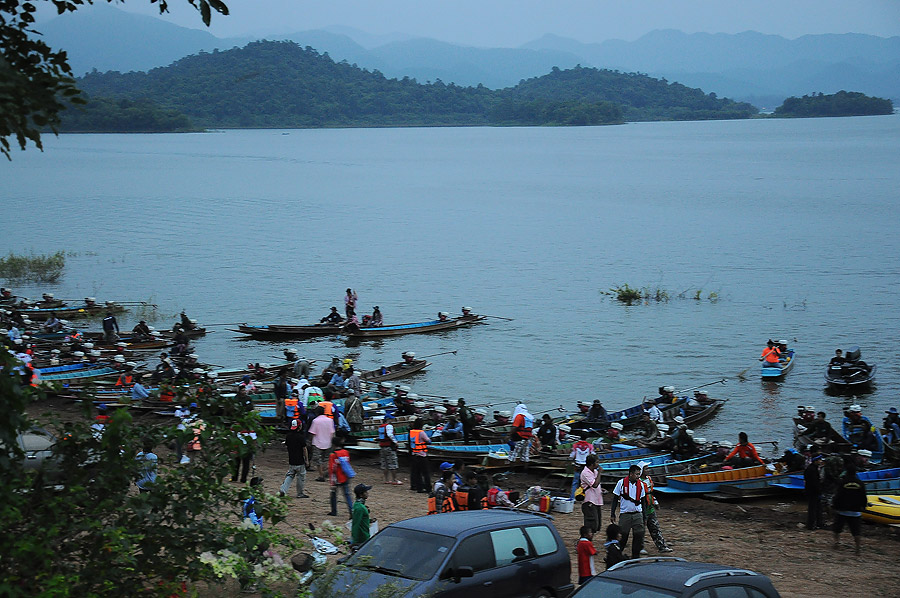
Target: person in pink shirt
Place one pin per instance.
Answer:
(593, 495)
(321, 430)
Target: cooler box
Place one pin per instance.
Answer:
(563, 505)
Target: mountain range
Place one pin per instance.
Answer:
(752, 67)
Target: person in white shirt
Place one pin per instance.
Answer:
(628, 496)
(654, 412)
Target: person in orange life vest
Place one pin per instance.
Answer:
(628, 496)
(420, 473)
(388, 450)
(468, 495)
(441, 500)
(340, 474)
(521, 436)
(770, 354)
(586, 551)
(126, 378)
(744, 454)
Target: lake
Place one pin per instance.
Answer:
(791, 223)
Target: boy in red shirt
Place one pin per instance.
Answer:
(586, 551)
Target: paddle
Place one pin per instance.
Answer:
(499, 317)
(722, 381)
(436, 354)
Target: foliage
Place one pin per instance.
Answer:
(629, 295)
(280, 84)
(95, 535)
(33, 268)
(103, 115)
(36, 82)
(842, 103)
(626, 294)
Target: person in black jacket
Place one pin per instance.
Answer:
(298, 459)
(849, 503)
(812, 477)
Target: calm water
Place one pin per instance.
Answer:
(791, 222)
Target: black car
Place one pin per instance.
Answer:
(496, 552)
(665, 577)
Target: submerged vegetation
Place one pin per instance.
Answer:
(33, 268)
(630, 295)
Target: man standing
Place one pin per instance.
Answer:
(849, 503)
(282, 389)
(322, 431)
(650, 520)
(298, 458)
(350, 300)
(627, 497)
(580, 452)
(466, 417)
(521, 435)
(812, 480)
(593, 496)
(388, 450)
(420, 475)
(110, 328)
(359, 531)
(353, 410)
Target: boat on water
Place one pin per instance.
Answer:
(796, 482)
(852, 375)
(357, 332)
(882, 509)
(393, 372)
(770, 371)
(744, 478)
(281, 332)
(90, 308)
(627, 417)
(80, 374)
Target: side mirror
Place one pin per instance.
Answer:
(461, 572)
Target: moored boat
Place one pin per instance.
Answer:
(851, 375)
(280, 331)
(882, 509)
(393, 372)
(355, 331)
(705, 483)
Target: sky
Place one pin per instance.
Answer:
(510, 23)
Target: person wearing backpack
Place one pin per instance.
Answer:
(340, 473)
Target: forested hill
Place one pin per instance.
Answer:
(280, 84)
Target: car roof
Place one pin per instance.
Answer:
(673, 573)
(453, 524)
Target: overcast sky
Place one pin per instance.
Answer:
(509, 23)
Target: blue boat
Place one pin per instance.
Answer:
(704, 483)
(769, 372)
(892, 475)
(84, 374)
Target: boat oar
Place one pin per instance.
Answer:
(227, 324)
(436, 354)
(722, 381)
(499, 317)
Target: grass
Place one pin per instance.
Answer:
(33, 268)
(630, 295)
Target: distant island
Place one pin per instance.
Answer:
(842, 103)
(271, 84)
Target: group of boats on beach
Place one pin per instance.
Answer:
(76, 364)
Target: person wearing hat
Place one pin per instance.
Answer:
(377, 317)
(521, 436)
(597, 412)
(858, 429)
(333, 318)
(360, 517)
(628, 496)
(387, 443)
(651, 522)
(298, 459)
(141, 331)
(892, 425)
(653, 412)
(744, 453)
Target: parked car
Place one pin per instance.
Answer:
(496, 552)
(37, 444)
(667, 577)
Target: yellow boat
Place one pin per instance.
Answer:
(883, 509)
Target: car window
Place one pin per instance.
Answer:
(476, 552)
(754, 593)
(403, 552)
(703, 594)
(730, 591)
(509, 545)
(542, 539)
(600, 587)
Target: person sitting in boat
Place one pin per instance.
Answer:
(247, 384)
(53, 324)
(409, 358)
(186, 322)
(6, 293)
(702, 397)
(646, 428)
(333, 318)
(377, 318)
(385, 389)
(820, 429)
(164, 371)
(783, 351)
(744, 454)
(583, 407)
(597, 412)
(443, 316)
(403, 405)
(653, 411)
(501, 418)
(792, 460)
(771, 354)
(351, 318)
(892, 425)
(858, 429)
(838, 359)
(141, 330)
(453, 429)
(614, 431)
(666, 395)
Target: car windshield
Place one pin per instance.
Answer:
(403, 552)
(611, 588)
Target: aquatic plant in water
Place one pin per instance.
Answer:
(33, 268)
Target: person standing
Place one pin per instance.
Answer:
(849, 503)
(110, 328)
(593, 495)
(282, 389)
(353, 409)
(466, 417)
(149, 461)
(298, 459)
(350, 300)
(340, 473)
(420, 474)
(322, 431)
(586, 552)
(627, 498)
(387, 443)
(360, 514)
(812, 481)
(649, 510)
(580, 452)
(521, 436)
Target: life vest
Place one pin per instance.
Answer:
(526, 426)
(447, 505)
(771, 354)
(491, 497)
(167, 395)
(292, 408)
(328, 406)
(383, 440)
(125, 380)
(461, 498)
(638, 493)
(416, 444)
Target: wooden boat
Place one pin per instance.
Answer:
(769, 372)
(280, 332)
(660, 465)
(80, 375)
(354, 331)
(69, 312)
(703, 483)
(853, 375)
(795, 481)
(393, 372)
(627, 417)
(882, 509)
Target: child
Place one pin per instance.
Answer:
(341, 473)
(359, 532)
(613, 549)
(586, 551)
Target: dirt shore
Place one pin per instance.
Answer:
(765, 536)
